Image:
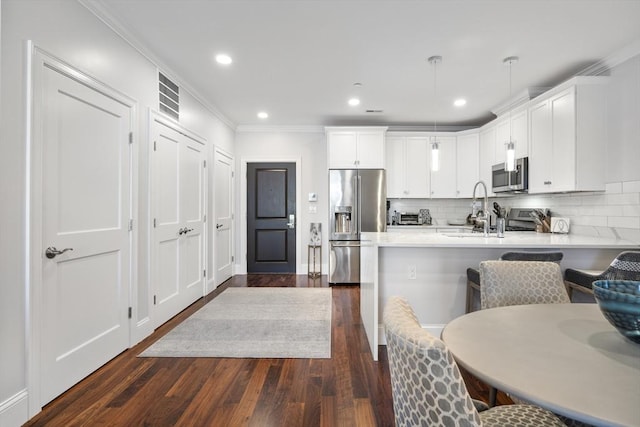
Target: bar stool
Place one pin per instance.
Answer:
(626, 266)
(473, 274)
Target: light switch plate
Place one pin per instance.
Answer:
(313, 197)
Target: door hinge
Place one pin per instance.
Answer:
(232, 258)
(204, 273)
(130, 224)
(232, 174)
(205, 218)
(130, 312)
(154, 223)
(155, 148)
(154, 300)
(204, 163)
(130, 137)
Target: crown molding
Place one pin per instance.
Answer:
(518, 100)
(603, 66)
(98, 8)
(278, 129)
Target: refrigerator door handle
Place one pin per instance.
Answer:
(358, 205)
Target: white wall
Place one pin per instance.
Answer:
(309, 145)
(72, 33)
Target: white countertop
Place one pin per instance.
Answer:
(513, 239)
(430, 227)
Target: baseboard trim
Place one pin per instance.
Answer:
(15, 410)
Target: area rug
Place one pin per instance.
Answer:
(254, 323)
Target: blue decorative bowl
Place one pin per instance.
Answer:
(619, 301)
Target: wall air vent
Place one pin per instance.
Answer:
(374, 111)
(169, 96)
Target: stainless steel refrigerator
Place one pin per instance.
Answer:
(357, 204)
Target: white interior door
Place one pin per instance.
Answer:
(85, 211)
(178, 216)
(224, 217)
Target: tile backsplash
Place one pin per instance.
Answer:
(614, 212)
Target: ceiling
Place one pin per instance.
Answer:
(298, 60)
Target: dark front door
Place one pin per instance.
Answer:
(271, 221)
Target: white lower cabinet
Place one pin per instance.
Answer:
(567, 137)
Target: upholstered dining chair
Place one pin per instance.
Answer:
(626, 266)
(473, 274)
(428, 389)
(521, 282)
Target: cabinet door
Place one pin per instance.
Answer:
(541, 148)
(487, 157)
(395, 153)
(443, 181)
(370, 150)
(519, 133)
(502, 138)
(342, 150)
(563, 129)
(467, 147)
(514, 128)
(417, 167)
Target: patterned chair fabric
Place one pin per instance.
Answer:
(626, 266)
(473, 274)
(428, 389)
(521, 282)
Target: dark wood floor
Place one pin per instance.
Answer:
(350, 389)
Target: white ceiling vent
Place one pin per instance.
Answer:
(169, 96)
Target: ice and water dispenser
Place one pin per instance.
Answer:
(342, 220)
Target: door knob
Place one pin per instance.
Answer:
(181, 231)
(292, 221)
(51, 251)
(186, 230)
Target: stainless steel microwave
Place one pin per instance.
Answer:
(503, 181)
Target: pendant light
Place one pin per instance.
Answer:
(435, 146)
(510, 157)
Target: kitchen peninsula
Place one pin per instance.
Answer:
(429, 269)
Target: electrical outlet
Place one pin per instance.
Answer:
(412, 272)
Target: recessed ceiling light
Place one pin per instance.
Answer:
(262, 115)
(460, 102)
(223, 59)
(354, 102)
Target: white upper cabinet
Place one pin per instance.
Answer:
(566, 136)
(407, 160)
(356, 147)
(487, 155)
(467, 148)
(516, 128)
(443, 181)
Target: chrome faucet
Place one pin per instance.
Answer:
(484, 218)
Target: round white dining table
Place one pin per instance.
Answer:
(563, 357)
